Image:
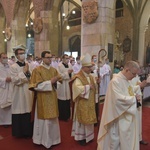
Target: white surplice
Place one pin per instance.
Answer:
(22, 97)
(63, 92)
(119, 124)
(104, 72)
(6, 89)
(46, 131)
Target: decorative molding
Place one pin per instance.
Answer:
(90, 11)
(37, 25)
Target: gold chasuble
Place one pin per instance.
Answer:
(85, 108)
(47, 104)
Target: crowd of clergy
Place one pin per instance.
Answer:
(38, 92)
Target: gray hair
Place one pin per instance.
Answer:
(131, 65)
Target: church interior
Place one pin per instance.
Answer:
(77, 27)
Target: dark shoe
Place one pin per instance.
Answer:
(143, 142)
(82, 142)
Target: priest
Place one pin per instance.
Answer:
(83, 95)
(119, 128)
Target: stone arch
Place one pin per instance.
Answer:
(18, 25)
(75, 44)
(63, 33)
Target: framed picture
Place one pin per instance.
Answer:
(110, 52)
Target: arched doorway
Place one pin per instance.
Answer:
(75, 45)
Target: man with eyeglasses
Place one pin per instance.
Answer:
(83, 87)
(6, 90)
(119, 127)
(44, 83)
(22, 97)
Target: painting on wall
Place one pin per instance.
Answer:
(110, 52)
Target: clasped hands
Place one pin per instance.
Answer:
(138, 97)
(26, 68)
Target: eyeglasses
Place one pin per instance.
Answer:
(134, 74)
(4, 57)
(48, 57)
(20, 53)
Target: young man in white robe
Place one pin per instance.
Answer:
(6, 89)
(83, 95)
(119, 128)
(44, 82)
(63, 92)
(21, 97)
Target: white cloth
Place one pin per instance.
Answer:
(6, 90)
(76, 68)
(54, 64)
(81, 132)
(94, 74)
(22, 97)
(119, 124)
(32, 65)
(45, 132)
(11, 62)
(104, 72)
(63, 92)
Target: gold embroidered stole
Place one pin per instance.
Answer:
(130, 91)
(47, 104)
(85, 110)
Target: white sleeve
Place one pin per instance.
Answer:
(44, 86)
